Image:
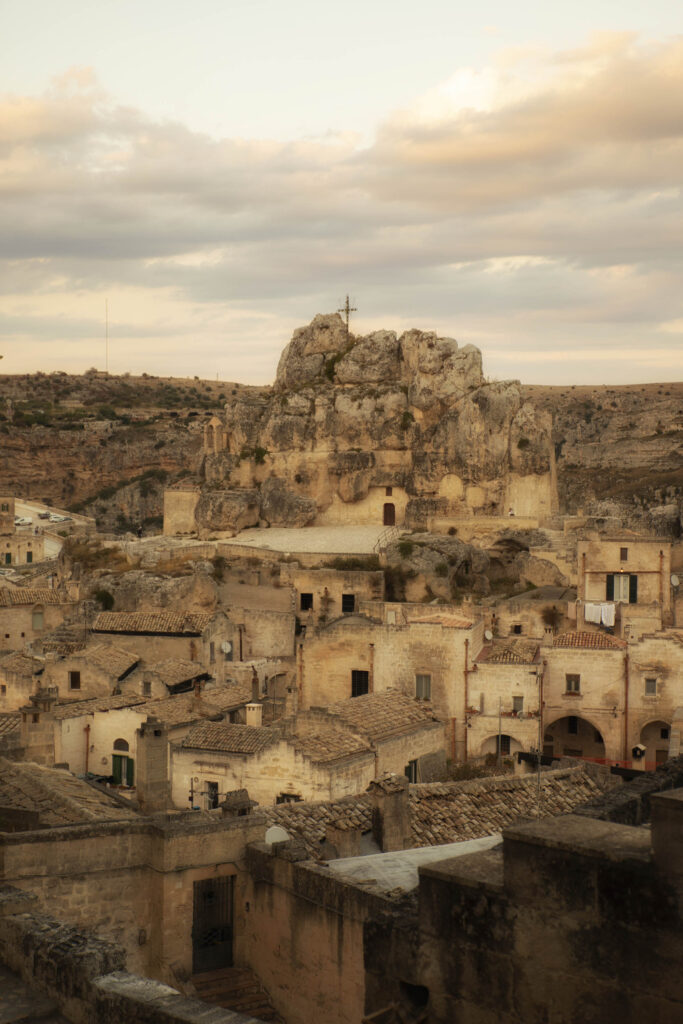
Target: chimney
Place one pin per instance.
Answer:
(255, 686)
(153, 789)
(390, 813)
(291, 701)
(197, 688)
(254, 712)
(37, 727)
(341, 840)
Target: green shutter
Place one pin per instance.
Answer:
(609, 595)
(633, 590)
(129, 771)
(117, 769)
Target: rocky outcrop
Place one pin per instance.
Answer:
(280, 507)
(349, 414)
(228, 510)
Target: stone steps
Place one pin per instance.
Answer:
(236, 988)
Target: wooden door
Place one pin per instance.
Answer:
(389, 514)
(212, 924)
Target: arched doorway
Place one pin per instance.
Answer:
(389, 513)
(655, 738)
(503, 745)
(122, 766)
(573, 736)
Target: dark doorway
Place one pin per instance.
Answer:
(389, 514)
(212, 924)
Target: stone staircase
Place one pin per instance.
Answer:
(238, 989)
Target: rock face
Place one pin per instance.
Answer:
(354, 420)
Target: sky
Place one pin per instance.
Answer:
(195, 181)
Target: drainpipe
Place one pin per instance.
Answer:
(541, 680)
(371, 674)
(300, 673)
(626, 670)
(661, 581)
(453, 724)
(87, 746)
(466, 673)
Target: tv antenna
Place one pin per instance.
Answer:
(106, 335)
(347, 309)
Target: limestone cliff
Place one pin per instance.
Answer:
(352, 421)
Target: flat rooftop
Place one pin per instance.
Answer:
(332, 540)
(386, 872)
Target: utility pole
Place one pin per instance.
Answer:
(106, 335)
(347, 309)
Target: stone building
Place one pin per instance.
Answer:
(319, 754)
(208, 638)
(424, 653)
(624, 583)
(27, 614)
(96, 670)
(20, 676)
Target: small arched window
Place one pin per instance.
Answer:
(121, 745)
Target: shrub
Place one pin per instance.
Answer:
(441, 569)
(405, 548)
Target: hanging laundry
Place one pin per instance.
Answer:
(592, 612)
(608, 614)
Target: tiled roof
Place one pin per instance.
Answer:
(228, 738)
(164, 623)
(449, 621)
(20, 595)
(10, 721)
(114, 660)
(379, 715)
(510, 652)
(323, 745)
(186, 707)
(21, 664)
(59, 797)
(117, 702)
(447, 812)
(590, 641)
(172, 671)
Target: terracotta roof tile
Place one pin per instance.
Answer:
(21, 664)
(20, 595)
(510, 652)
(447, 812)
(590, 641)
(228, 738)
(323, 745)
(164, 623)
(10, 721)
(117, 702)
(172, 671)
(377, 715)
(114, 660)
(184, 708)
(59, 797)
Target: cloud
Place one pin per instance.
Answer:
(532, 207)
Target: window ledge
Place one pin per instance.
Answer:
(572, 693)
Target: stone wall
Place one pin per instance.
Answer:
(179, 511)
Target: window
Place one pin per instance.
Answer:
(423, 686)
(3, 689)
(621, 586)
(306, 602)
(121, 745)
(360, 682)
(146, 688)
(651, 687)
(5, 507)
(623, 554)
(211, 795)
(212, 652)
(664, 733)
(502, 744)
(389, 492)
(518, 705)
(573, 725)
(517, 628)
(8, 558)
(348, 603)
(37, 619)
(573, 684)
(287, 798)
(410, 771)
(74, 680)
